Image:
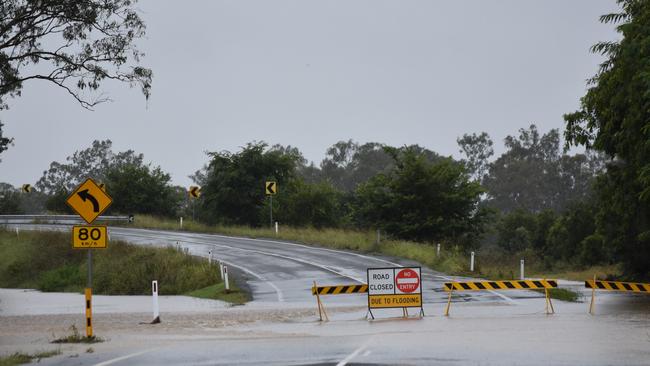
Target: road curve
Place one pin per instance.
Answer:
(281, 271)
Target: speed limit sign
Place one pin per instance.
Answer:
(89, 237)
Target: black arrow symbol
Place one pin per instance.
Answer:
(195, 191)
(84, 195)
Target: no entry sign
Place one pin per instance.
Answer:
(407, 281)
(394, 288)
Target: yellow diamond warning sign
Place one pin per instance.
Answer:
(89, 200)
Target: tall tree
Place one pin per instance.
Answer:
(136, 187)
(421, 200)
(140, 188)
(4, 141)
(233, 190)
(478, 151)
(614, 117)
(9, 200)
(92, 162)
(74, 45)
(348, 164)
(534, 175)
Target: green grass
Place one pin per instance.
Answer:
(218, 292)
(46, 261)
(20, 358)
(563, 294)
(76, 337)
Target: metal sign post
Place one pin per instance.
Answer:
(89, 200)
(271, 188)
(194, 193)
(88, 292)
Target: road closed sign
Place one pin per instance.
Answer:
(394, 288)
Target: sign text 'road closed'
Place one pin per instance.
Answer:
(394, 287)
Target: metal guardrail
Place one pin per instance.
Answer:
(14, 219)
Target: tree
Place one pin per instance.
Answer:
(421, 200)
(534, 175)
(614, 118)
(4, 141)
(92, 162)
(9, 200)
(233, 190)
(349, 164)
(569, 231)
(310, 204)
(139, 188)
(74, 45)
(478, 151)
(136, 187)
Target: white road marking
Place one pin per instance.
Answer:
(354, 354)
(110, 362)
(259, 277)
(312, 247)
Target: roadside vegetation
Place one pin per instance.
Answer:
(19, 358)
(47, 262)
(76, 337)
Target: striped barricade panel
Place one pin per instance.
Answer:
(500, 285)
(339, 290)
(618, 286)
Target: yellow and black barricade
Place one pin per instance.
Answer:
(334, 290)
(502, 285)
(614, 286)
(339, 290)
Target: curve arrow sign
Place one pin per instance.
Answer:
(84, 195)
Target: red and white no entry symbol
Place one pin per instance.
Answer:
(407, 280)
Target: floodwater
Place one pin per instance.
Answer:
(204, 332)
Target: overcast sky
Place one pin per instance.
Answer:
(311, 73)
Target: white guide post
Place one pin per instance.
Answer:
(225, 278)
(438, 250)
(210, 256)
(276, 228)
(471, 262)
(181, 222)
(521, 268)
(156, 309)
(221, 270)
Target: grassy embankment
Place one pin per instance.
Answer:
(47, 262)
(493, 264)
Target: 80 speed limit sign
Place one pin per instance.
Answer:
(89, 237)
